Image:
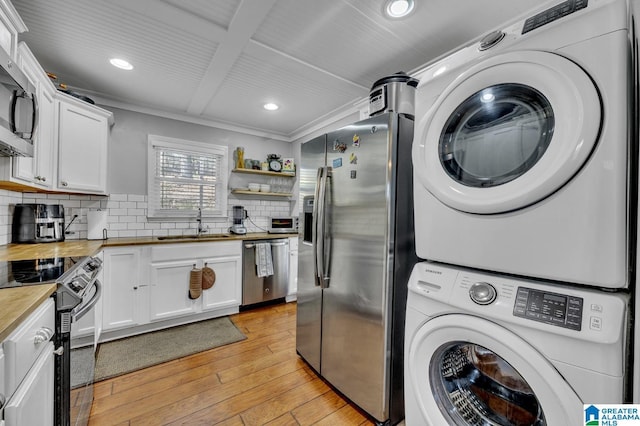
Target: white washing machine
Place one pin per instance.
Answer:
(522, 149)
(487, 349)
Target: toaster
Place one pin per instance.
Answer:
(37, 223)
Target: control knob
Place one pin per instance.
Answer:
(482, 293)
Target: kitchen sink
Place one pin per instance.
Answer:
(194, 237)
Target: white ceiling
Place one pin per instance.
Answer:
(221, 60)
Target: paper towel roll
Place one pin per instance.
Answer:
(96, 224)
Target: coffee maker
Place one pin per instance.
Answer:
(37, 223)
(239, 215)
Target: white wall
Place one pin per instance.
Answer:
(128, 146)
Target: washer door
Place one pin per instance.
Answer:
(508, 132)
(465, 370)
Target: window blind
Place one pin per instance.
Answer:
(185, 181)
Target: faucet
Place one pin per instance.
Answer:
(201, 229)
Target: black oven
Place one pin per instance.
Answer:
(79, 289)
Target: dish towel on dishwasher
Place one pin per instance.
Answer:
(264, 262)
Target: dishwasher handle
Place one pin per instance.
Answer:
(252, 245)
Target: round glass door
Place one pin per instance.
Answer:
(507, 132)
(468, 371)
(496, 135)
(476, 387)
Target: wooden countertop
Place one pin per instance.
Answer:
(91, 247)
(18, 302)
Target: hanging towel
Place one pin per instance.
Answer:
(264, 262)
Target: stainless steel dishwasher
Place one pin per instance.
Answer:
(257, 289)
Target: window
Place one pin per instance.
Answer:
(185, 176)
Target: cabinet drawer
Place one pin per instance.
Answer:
(21, 348)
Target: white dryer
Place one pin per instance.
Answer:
(521, 156)
(485, 349)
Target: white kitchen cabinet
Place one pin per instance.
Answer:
(227, 289)
(36, 171)
(125, 287)
(169, 290)
(11, 24)
(146, 288)
(171, 267)
(293, 269)
(82, 131)
(28, 360)
(32, 403)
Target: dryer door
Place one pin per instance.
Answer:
(469, 371)
(508, 132)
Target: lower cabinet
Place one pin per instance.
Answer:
(170, 270)
(125, 288)
(32, 403)
(28, 372)
(147, 287)
(169, 291)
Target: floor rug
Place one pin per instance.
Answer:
(145, 350)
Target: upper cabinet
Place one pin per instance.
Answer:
(82, 131)
(37, 170)
(70, 141)
(11, 24)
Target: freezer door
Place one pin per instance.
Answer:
(308, 337)
(355, 303)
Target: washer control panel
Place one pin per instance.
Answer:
(551, 308)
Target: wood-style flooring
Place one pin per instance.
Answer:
(258, 381)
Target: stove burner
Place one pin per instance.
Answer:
(34, 271)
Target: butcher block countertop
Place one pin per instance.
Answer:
(17, 303)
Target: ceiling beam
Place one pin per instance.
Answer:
(244, 24)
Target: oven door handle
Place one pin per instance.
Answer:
(91, 303)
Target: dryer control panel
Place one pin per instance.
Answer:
(550, 15)
(551, 308)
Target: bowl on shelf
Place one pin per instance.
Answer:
(265, 188)
(254, 187)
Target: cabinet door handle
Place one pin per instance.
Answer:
(43, 335)
(63, 183)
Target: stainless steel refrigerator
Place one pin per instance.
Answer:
(356, 251)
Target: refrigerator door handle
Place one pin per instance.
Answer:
(320, 240)
(314, 227)
(326, 231)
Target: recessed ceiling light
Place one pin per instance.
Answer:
(398, 8)
(121, 63)
(270, 106)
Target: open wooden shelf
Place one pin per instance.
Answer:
(264, 172)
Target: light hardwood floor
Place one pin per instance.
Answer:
(258, 381)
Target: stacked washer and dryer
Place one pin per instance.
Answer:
(525, 198)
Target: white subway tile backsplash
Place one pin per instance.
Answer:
(127, 215)
(118, 197)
